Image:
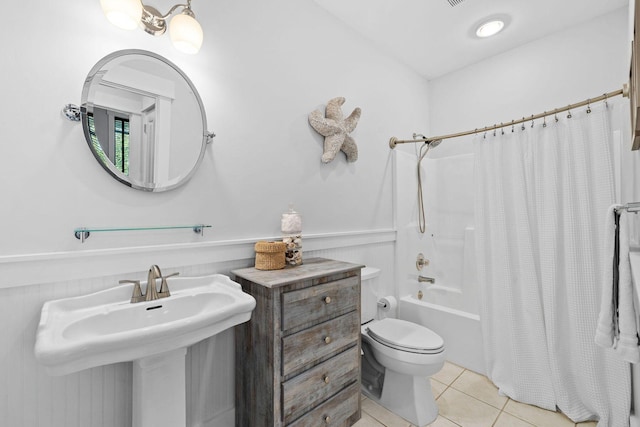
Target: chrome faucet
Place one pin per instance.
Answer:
(151, 293)
(426, 279)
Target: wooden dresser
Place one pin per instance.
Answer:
(298, 358)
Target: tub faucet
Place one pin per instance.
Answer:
(422, 278)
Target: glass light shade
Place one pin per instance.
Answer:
(125, 14)
(186, 33)
(490, 28)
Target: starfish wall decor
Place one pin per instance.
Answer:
(336, 129)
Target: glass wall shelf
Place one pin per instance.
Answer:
(83, 233)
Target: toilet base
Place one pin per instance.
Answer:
(408, 396)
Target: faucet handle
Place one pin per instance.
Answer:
(164, 287)
(137, 291)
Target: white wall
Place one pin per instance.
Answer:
(570, 66)
(263, 68)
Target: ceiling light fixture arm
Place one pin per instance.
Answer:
(155, 23)
(186, 9)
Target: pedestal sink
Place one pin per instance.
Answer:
(104, 327)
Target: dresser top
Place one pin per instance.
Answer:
(311, 268)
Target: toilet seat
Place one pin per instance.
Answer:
(406, 336)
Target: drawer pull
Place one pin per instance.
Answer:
(325, 378)
(327, 419)
(327, 340)
(326, 300)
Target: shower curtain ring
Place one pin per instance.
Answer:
(588, 106)
(523, 120)
(555, 114)
(532, 121)
(569, 115)
(606, 104)
(494, 129)
(544, 120)
(502, 128)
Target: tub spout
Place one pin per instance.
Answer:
(426, 279)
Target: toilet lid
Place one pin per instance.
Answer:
(406, 336)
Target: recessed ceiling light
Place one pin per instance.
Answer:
(490, 28)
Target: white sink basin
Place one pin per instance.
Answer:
(104, 327)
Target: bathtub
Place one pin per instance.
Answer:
(460, 330)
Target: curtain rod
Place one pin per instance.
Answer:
(624, 91)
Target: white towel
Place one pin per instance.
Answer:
(617, 328)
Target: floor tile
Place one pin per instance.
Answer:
(507, 420)
(442, 422)
(537, 416)
(437, 388)
(448, 373)
(480, 387)
(367, 420)
(381, 414)
(465, 410)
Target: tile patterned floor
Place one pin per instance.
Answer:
(467, 399)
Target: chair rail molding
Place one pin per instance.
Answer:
(32, 269)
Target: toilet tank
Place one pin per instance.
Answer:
(369, 293)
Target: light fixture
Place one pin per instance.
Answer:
(185, 32)
(490, 28)
(123, 13)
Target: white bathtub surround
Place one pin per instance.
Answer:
(542, 194)
(448, 243)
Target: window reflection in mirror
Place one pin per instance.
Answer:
(144, 120)
(115, 135)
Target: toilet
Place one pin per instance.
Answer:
(398, 359)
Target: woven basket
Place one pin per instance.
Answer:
(270, 255)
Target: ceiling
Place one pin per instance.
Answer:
(435, 38)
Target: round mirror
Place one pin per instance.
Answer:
(143, 120)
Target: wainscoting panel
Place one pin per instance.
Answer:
(29, 397)
(101, 397)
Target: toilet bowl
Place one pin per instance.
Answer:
(399, 358)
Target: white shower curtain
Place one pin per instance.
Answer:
(541, 196)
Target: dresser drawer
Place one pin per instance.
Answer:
(314, 386)
(321, 302)
(333, 412)
(319, 341)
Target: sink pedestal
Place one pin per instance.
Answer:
(159, 390)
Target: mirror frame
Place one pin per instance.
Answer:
(110, 168)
